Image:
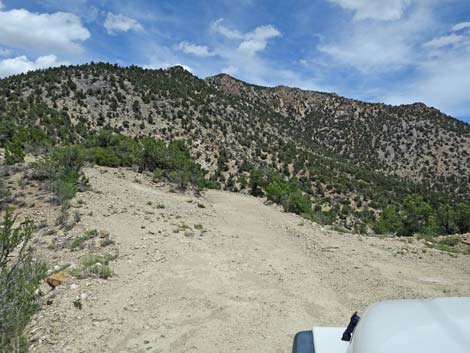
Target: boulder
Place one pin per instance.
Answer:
(56, 279)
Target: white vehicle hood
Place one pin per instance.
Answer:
(328, 340)
(440, 325)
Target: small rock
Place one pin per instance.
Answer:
(35, 338)
(104, 234)
(56, 279)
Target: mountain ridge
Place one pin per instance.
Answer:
(223, 75)
(282, 100)
(345, 154)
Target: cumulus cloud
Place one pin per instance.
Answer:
(218, 27)
(441, 76)
(58, 31)
(378, 47)
(441, 82)
(383, 10)
(400, 56)
(240, 55)
(258, 39)
(194, 49)
(120, 23)
(20, 64)
(252, 42)
(443, 41)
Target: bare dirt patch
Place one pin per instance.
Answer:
(225, 273)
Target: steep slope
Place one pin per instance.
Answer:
(412, 141)
(167, 104)
(351, 158)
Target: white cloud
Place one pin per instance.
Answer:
(369, 54)
(428, 64)
(383, 10)
(239, 55)
(218, 27)
(460, 26)
(194, 49)
(59, 31)
(162, 57)
(373, 47)
(442, 83)
(20, 64)
(441, 78)
(1, 5)
(258, 39)
(252, 42)
(120, 23)
(230, 70)
(443, 41)
(379, 47)
(234, 52)
(250, 47)
(263, 33)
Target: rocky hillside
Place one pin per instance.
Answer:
(412, 141)
(352, 158)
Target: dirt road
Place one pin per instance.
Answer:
(226, 273)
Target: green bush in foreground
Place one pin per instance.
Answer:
(19, 279)
(62, 167)
(95, 266)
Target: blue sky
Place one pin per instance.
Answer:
(393, 51)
